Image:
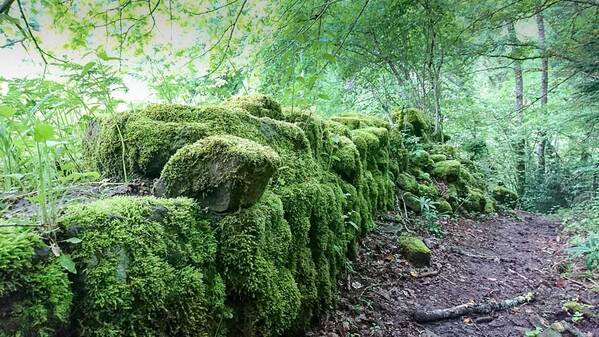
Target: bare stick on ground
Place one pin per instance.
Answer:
(471, 308)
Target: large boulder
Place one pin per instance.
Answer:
(222, 173)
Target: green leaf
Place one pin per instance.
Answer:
(43, 132)
(73, 240)
(67, 263)
(87, 68)
(330, 57)
(104, 57)
(7, 111)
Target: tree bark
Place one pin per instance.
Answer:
(519, 104)
(540, 150)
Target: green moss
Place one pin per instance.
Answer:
(447, 150)
(336, 128)
(475, 200)
(448, 170)
(443, 206)
(438, 157)
(505, 197)
(428, 190)
(142, 259)
(279, 258)
(407, 182)
(257, 105)
(412, 202)
(422, 159)
(345, 158)
(34, 288)
(222, 173)
(415, 251)
(414, 121)
(359, 121)
(489, 205)
(313, 126)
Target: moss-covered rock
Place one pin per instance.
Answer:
(407, 182)
(438, 157)
(505, 196)
(489, 205)
(146, 268)
(443, 206)
(421, 159)
(415, 251)
(257, 105)
(412, 202)
(448, 170)
(449, 151)
(35, 292)
(428, 190)
(345, 158)
(474, 201)
(413, 121)
(222, 173)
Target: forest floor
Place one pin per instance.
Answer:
(476, 260)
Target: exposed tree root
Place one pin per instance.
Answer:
(471, 308)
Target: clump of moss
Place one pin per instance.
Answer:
(222, 173)
(475, 200)
(412, 202)
(345, 158)
(35, 290)
(407, 182)
(505, 196)
(448, 170)
(415, 251)
(422, 159)
(428, 190)
(146, 268)
(257, 105)
(443, 206)
(414, 121)
(449, 151)
(360, 121)
(438, 157)
(254, 249)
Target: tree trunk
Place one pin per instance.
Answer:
(540, 150)
(519, 104)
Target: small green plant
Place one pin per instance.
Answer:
(430, 216)
(582, 223)
(588, 248)
(533, 333)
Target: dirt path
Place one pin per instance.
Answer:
(495, 258)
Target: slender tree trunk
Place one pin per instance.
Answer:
(519, 104)
(540, 150)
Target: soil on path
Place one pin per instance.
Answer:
(477, 260)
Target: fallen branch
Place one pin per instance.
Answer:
(422, 316)
(427, 274)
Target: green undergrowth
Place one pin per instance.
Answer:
(582, 225)
(264, 210)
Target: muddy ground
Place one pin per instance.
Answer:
(476, 260)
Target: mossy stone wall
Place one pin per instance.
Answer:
(299, 192)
